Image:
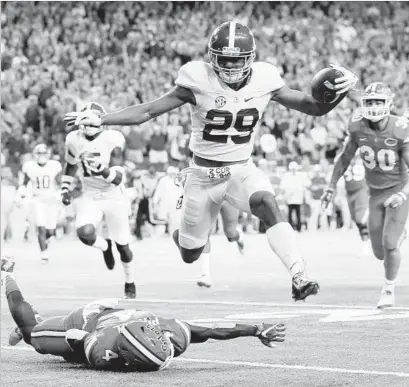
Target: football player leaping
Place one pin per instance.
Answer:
(99, 151)
(43, 173)
(383, 140)
(227, 98)
(106, 337)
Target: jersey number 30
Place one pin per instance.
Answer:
(245, 121)
(385, 158)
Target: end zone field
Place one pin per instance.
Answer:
(337, 338)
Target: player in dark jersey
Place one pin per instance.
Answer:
(383, 142)
(106, 337)
(358, 200)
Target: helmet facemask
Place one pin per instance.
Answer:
(99, 110)
(376, 112)
(41, 154)
(232, 75)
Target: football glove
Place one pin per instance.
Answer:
(345, 83)
(396, 200)
(65, 197)
(91, 164)
(87, 118)
(326, 198)
(269, 333)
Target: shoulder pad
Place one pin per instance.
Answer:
(354, 123)
(401, 128)
(267, 76)
(116, 137)
(27, 165)
(192, 75)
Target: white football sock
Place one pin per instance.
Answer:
(388, 286)
(283, 242)
(100, 243)
(241, 235)
(128, 271)
(205, 262)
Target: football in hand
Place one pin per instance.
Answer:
(322, 85)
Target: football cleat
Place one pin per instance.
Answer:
(387, 299)
(109, 256)
(15, 336)
(270, 333)
(303, 287)
(204, 281)
(130, 290)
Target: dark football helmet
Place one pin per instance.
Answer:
(376, 91)
(97, 108)
(232, 39)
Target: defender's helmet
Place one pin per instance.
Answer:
(98, 109)
(232, 39)
(144, 346)
(376, 91)
(41, 154)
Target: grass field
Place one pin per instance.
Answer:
(337, 338)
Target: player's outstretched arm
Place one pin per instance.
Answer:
(298, 100)
(136, 114)
(267, 333)
(340, 167)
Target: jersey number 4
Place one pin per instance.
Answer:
(245, 122)
(385, 158)
(109, 355)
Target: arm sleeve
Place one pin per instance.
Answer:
(71, 156)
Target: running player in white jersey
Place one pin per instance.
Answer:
(227, 98)
(43, 174)
(99, 151)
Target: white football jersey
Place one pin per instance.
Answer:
(43, 177)
(224, 120)
(101, 147)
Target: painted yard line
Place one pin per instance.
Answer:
(215, 302)
(265, 365)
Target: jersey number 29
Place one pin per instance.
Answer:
(223, 120)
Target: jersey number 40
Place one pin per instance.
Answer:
(246, 120)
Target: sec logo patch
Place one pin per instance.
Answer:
(220, 102)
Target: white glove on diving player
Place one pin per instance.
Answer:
(345, 83)
(87, 118)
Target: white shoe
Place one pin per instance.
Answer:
(45, 257)
(387, 299)
(204, 281)
(366, 250)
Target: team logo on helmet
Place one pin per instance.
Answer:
(220, 102)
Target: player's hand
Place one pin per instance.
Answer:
(269, 333)
(326, 198)
(396, 200)
(87, 118)
(66, 197)
(345, 83)
(93, 166)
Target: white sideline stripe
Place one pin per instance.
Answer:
(141, 347)
(215, 302)
(267, 365)
(48, 333)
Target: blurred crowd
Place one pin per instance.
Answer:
(58, 55)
